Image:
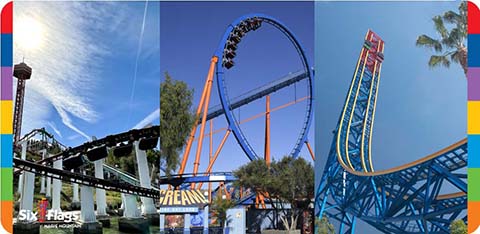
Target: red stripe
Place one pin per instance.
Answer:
(7, 18)
(473, 19)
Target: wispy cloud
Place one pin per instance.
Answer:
(73, 137)
(149, 119)
(67, 63)
(54, 128)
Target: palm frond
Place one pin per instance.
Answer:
(455, 56)
(429, 42)
(462, 9)
(452, 17)
(439, 60)
(440, 26)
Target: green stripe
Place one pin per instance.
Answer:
(7, 184)
(473, 184)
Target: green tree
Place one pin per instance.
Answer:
(458, 227)
(126, 163)
(176, 120)
(450, 46)
(219, 209)
(323, 226)
(153, 158)
(288, 180)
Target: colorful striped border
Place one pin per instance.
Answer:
(473, 125)
(6, 120)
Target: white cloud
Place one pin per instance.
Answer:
(67, 61)
(55, 129)
(149, 119)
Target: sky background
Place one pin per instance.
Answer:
(190, 34)
(83, 82)
(419, 110)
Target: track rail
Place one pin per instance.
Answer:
(84, 179)
(423, 196)
(258, 93)
(110, 141)
(222, 88)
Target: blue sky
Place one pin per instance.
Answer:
(190, 33)
(84, 67)
(419, 110)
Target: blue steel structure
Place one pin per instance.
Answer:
(233, 124)
(258, 93)
(405, 199)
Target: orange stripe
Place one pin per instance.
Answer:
(7, 215)
(473, 218)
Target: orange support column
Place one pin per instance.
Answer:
(310, 150)
(204, 116)
(210, 160)
(209, 168)
(205, 93)
(267, 130)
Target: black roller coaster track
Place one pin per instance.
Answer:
(84, 179)
(110, 141)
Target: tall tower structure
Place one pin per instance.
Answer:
(23, 73)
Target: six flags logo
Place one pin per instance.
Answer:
(43, 214)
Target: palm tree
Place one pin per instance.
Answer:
(450, 47)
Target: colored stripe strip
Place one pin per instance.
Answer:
(473, 18)
(474, 46)
(7, 18)
(473, 108)
(6, 173)
(473, 76)
(6, 179)
(6, 117)
(7, 50)
(474, 184)
(7, 215)
(7, 87)
(7, 153)
(474, 151)
(473, 211)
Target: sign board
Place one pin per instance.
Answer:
(179, 210)
(182, 198)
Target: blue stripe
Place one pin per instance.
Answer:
(474, 50)
(473, 151)
(7, 50)
(6, 150)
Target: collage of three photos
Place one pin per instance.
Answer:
(288, 117)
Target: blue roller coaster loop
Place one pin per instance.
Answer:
(222, 90)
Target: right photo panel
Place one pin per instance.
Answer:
(390, 117)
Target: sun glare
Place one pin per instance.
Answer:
(28, 33)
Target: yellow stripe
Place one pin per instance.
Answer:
(473, 117)
(353, 108)
(373, 115)
(339, 155)
(362, 155)
(6, 116)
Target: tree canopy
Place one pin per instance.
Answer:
(450, 46)
(176, 120)
(323, 226)
(458, 227)
(288, 180)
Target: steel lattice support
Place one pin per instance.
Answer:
(22, 72)
(405, 199)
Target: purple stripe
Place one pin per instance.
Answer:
(7, 88)
(473, 83)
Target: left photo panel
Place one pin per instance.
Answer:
(81, 154)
